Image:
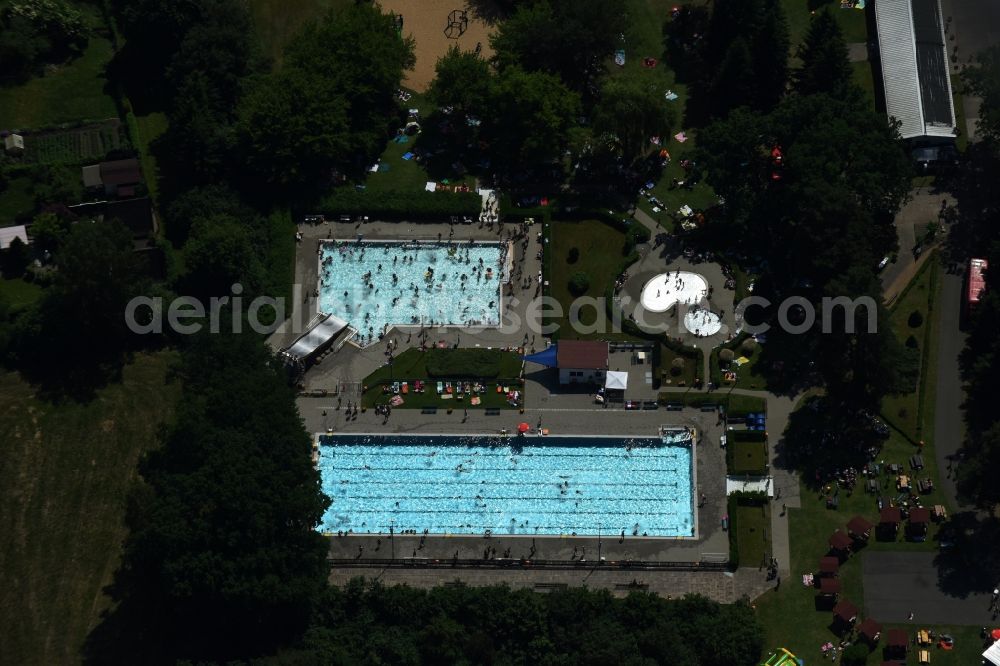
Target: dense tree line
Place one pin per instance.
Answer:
(976, 473)
(811, 189)
(547, 93)
(33, 33)
(366, 623)
(734, 55)
(223, 559)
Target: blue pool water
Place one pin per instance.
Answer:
(467, 485)
(410, 283)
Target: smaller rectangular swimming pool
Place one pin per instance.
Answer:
(374, 285)
(515, 486)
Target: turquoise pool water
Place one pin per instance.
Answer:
(528, 485)
(374, 285)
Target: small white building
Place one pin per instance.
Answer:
(13, 144)
(582, 361)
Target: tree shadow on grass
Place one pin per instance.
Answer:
(967, 562)
(822, 438)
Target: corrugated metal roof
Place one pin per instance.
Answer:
(915, 72)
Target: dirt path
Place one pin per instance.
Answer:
(425, 21)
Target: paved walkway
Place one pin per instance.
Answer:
(911, 221)
(857, 51)
(723, 587)
(949, 424)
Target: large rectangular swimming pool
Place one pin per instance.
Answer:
(525, 485)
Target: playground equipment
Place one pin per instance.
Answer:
(782, 657)
(458, 22)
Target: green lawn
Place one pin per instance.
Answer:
(907, 412)
(412, 364)
(685, 376)
(863, 77)
(19, 293)
(66, 473)
(752, 524)
(278, 20)
(746, 458)
(16, 200)
(600, 257)
(748, 376)
(73, 92)
(852, 21)
(150, 127)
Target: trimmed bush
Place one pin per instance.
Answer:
(915, 320)
(911, 342)
(573, 255)
(677, 366)
(748, 347)
(579, 283)
(401, 205)
(726, 356)
(855, 655)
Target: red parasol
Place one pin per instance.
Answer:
(995, 634)
(524, 427)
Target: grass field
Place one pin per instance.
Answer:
(150, 127)
(906, 412)
(19, 293)
(600, 257)
(746, 458)
(17, 200)
(752, 523)
(73, 92)
(66, 473)
(278, 20)
(687, 375)
(852, 21)
(864, 77)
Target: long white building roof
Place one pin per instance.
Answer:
(914, 57)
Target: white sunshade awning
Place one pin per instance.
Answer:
(992, 654)
(616, 380)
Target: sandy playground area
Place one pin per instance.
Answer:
(425, 21)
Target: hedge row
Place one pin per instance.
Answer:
(399, 205)
(463, 363)
(735, 405)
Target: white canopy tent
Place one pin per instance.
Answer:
(616, 380)
(992, 654)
